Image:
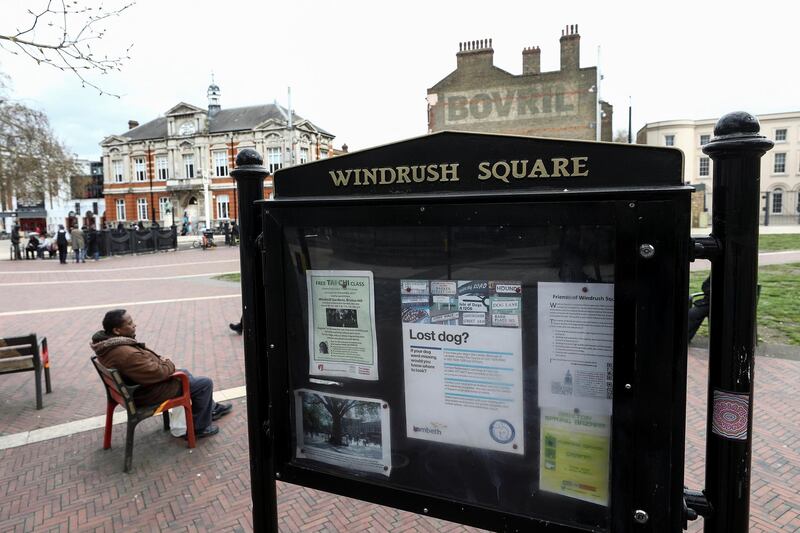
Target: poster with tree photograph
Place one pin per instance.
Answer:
(344, 431)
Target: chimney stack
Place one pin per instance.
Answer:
(133, 124)
(570, 48)
(531, 60)
(475, 54)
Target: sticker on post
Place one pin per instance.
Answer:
(730, 415)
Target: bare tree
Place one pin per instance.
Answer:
(621, 136)
(33, 162)
(60, 34)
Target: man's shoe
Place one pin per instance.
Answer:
(206, 432)
(220, 410)
(236, 327)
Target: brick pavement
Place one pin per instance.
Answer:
(71, 484)
(193, 334)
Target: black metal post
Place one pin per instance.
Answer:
(736, 150)
(630, 121)
(249, 175)
(766, 208)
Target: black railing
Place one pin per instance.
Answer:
(131, 241)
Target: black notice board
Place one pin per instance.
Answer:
(581, 230)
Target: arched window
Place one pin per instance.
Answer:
(777, 201)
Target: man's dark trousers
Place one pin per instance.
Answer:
(202, 392)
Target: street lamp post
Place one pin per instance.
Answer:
(150, 175)
(232, 159)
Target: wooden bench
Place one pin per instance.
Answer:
(26, 354)
(120, 393)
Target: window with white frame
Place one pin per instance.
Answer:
(223, 206)
(140, 168)
(780, 163)
(116, 170)
(273, 159)
(323, 153)
(164, 207)
(704, 166)
(669, 140)
(780, 135)
(704, 139)
(303, 155)
(188, 166)
(777, 201)
(141, 209)
(162, 167)
(120, 204)
(220, 163)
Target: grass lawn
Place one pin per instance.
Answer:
(778, 312)
(777, 243)
(237, 278)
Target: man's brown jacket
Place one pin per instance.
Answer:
(138, 365)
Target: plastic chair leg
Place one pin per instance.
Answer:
(109, 422)
(189, 427)
(165, 416)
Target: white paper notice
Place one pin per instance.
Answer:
(462, 349)
(341, 324)
(576, 343)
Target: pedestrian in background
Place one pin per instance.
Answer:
(15, 242)
(699, 309)
(61, 242)
(93, 243)
(78, 244)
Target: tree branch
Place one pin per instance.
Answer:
(69, 50)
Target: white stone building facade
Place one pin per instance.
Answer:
(780, 167)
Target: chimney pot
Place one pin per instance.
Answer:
(132, 124)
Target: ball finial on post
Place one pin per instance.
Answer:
(737, 123)
(249, 158)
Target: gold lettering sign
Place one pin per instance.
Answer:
(505, 171)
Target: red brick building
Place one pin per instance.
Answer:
(166, 169)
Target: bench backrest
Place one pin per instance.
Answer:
(18, 354)
(116, 387)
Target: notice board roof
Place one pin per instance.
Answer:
(450, 161)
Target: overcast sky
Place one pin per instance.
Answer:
(361, 70)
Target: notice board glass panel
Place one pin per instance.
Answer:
(469, 362)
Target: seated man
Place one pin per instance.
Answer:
(116, 347)
(32, 248)
(47, 246)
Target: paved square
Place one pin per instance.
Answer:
(71, 484)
